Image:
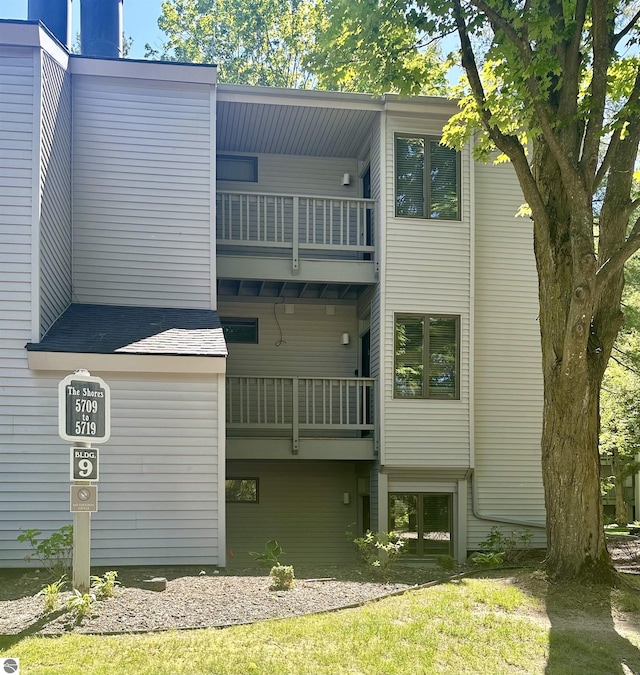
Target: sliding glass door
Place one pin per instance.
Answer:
(424, 520)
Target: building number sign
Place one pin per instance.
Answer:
(84, 409)
(84, 464)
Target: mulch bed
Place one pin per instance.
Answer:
(196, 598)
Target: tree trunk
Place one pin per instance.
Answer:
(571, 471)
(618, 474)
(577, 333)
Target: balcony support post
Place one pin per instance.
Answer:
(296, 235)
(295, 446)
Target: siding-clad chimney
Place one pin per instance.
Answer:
(55, 15)
(101, 28)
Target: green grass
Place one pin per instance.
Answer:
(616, 529)
(483, 626)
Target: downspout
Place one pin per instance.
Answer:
(381, 242)
(471, 473)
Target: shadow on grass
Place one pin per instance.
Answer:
(583, 638)
(8, 641)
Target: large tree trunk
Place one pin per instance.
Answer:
(617, 466)
(578, 327)
(571, 471)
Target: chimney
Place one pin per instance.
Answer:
(101, 28)
(55, 15)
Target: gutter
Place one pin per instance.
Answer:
(475, 509)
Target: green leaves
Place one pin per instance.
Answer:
(377, 46)
(270, 556)
(259, 43)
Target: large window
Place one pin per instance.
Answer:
(426, 356)
(423, 522)
(427, 179)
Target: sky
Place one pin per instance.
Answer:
(140, 22)
(140, 19)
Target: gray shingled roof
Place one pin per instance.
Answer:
(110, 329)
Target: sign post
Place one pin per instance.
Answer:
(84, 415)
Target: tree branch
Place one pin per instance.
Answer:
(627, 29)
(615, 262)
(612, 149)
(622, 363)
(598, 92)
(569, 171)
(510, 145)
(607, 159)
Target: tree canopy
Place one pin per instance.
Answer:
(364, 45)
(264, 42)
(288, 43)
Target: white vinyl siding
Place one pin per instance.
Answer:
(508, 379)
(55, 193)
(309, 344)
(427, 271)
(17, 100)
(143, 194)
(291, 175)
(300, 506)
(157, 471)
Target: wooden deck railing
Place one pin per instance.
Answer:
(304, 224)
(298, 404)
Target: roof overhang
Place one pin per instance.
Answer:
(127, 363)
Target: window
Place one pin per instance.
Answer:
(235, 167)
(243, 331)
(241, 490)
(423, 522)
(427, 179)
(427, 356)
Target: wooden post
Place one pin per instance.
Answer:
(82, 543)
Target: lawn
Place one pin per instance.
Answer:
(495, 625)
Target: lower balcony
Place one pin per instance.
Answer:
(304, 417)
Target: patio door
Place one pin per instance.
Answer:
(424, 520)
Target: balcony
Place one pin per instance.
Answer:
(309, 417)
(314, 239)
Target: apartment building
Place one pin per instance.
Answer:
(313, 317)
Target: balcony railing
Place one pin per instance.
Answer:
(307, 226)
(298, 404)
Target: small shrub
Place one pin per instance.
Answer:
(447, 563)
(105, 586)
(51, 594)
(379, 550)
(283, 577)
(488, 560)
(511, 545)
(270, 557)
(80, 605)
(54, 553)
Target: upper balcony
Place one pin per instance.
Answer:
(295, 174)
(279, 236)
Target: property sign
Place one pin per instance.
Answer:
(84, 498)
(84, 464)
(84, 408)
